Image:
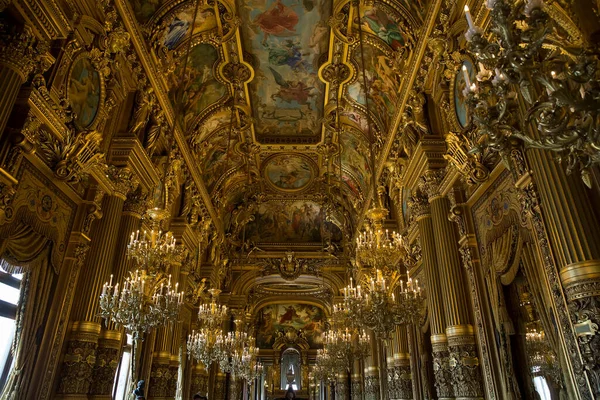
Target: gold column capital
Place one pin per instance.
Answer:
(581, 279)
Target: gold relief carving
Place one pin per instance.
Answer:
(442, 371)
(335, 74)
(467, 163)
(430, 183)
(123, 179)
(77, 367)
(72, 157)
(94, 213)
(22, 53)
(7, 194)
(466, 375)
(137, 202)
(419, 205)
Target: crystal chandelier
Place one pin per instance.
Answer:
(377, 308)
(326, 367)
(155, 248)
(212, 315)
(141, 304)
(208, 344)
(522, 55)
(344, 345)
(377, 247)
(239, 347)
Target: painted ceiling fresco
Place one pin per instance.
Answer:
(286, 38)
(264, 162)
(275, 318)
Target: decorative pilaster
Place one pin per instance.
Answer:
(199, 380)
(372, 385)
(342, 391)
(421, 210)
(219, 390)
(79, 360)
(107, 361)
(402, 372)
(357, 387)
(441, 367)
(20, 53)
(466, 382)
(160, 377)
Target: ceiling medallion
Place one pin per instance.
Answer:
(289, 172)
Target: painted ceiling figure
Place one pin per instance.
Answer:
(291, 90)
(379, 24)
(278, 20)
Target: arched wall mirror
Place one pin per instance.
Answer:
(291, 372)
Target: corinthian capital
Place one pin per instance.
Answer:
(124, 180)
(430, 183)
(23, 53)
(419, 205)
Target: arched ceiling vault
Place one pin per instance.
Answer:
(271, 100)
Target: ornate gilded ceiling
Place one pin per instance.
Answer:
(269, 94)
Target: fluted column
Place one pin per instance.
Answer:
(569, 220)
(199, 383)
(357, 381)
(420, 208)
(20, 54)
(466, 374)
(109, 346)
(77, 371)
(219, 390)
(403, 373)
(342, 391)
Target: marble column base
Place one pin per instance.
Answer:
(372, 387)
(80, 358)
(357, 391)
(441, 370)
(199, 381)
(160, 377)
(107, 362)
(464, 364)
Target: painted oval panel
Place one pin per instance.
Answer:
(84, 92)
(289, 172)
(460, 101)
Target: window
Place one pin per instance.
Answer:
(541, 386)
(10, 290)
(122, 378)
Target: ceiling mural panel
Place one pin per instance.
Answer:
(300, 221)
(197, 88)
(286, 38)
(355, 157)
(145, 9)
(217, 155)
(179, 27)
(382, 84)
(290, 172)
(275, 318)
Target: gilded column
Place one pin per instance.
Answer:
(435, 308)
(20, 53)
(402, 371)
(464, 361)
(109, 345)
(77, 371)
(572, 227)
(342, 391)
(357, 382)
(219, 388)
(199, 380)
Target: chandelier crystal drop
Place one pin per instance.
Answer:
(141, 304)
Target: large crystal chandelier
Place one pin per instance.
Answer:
(522, 54)
(154, 248)
(377, 307)
(377, 247)
(207, 345)
(345, 345)
(326, 366)
(141, 303)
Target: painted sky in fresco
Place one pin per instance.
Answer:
(286, 38)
